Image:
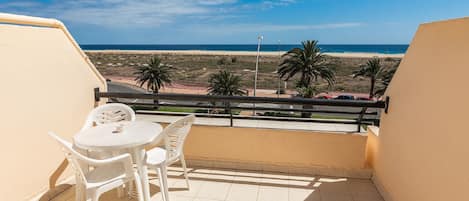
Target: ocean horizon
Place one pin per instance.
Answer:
(335, 48)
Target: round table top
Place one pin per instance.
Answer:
(107, 136)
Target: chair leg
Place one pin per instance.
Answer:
(93, 197)
(80, 192)
(184, 167)
(164, 178)
(120, 191)
(130, 188)
(138, 186)
(162, 185)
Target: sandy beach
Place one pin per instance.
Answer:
(240, 53)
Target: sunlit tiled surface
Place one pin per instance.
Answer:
(236, 185)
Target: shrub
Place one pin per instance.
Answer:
(221, 61)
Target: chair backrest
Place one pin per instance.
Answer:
(79, 162)
(174, 136)
(71, 155)
(109, 113)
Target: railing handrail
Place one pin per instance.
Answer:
(243, 99)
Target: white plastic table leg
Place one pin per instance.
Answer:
(142, 171)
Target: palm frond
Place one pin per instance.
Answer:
(154, 75)
(307, 61)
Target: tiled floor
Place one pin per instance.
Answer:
(236, 185)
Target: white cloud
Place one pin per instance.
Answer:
(117, 13)
(216, 2)
(261, 28)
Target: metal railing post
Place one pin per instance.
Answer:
(231, 115)
(360, 118)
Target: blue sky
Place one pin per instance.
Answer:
(240, 21)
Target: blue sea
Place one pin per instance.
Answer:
(384, 49)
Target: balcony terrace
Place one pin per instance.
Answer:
(418, 153)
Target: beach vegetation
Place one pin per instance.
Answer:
(154, 75)
(308, 62)
(196, 69)
(234, 59)
(372, 70)
(307, 92)
(225, 83)
(222, 61)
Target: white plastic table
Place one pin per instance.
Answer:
(133, 136)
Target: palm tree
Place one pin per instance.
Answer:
(372, 70)
(154, 75)
(225, 83)
(308, 62)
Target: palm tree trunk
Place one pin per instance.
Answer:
(227, 107)
(155, 101)
(372, 87)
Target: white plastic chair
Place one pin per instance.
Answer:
(109, 113)
(106, 174)
(158, 158)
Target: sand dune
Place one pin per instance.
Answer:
(242, 53)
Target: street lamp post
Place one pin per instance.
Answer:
(259, 41)
(279, 55)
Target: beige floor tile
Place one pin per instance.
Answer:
(274, 175)
(364, 190)
(249, 173)
(204, 199)
(334, 187)
(301, 181)
(223, 175)
(243, 192)
(247, 177)
(333, 197)
(179, 188)
(302, 176)
(334, 190)
(215, 175)
(173, 198)
(214, 190)
(295, 194)
(268, 193)
(273, 179)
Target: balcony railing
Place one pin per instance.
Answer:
(358, 112)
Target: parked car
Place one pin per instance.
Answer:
(363, 98)
(345, 97)
(323, 97)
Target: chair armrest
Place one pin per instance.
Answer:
(124, 158)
